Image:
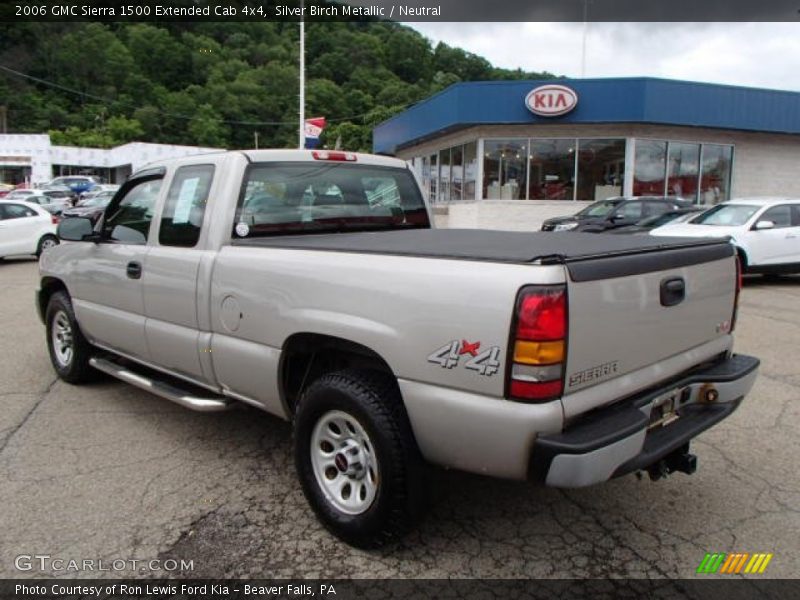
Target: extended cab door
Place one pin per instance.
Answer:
(779, 244)
(170, 277)
(106, 278)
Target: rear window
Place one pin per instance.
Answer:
(316, 197)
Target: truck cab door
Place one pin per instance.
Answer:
(172, 278)
(106, 278)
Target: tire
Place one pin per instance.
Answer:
(69, 350)
(45, 243)
(381, 465)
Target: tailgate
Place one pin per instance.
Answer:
(632, 312)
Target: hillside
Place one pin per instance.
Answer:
(216, 84)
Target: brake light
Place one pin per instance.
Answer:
(738, 289)
(54, 219)
(538, 344)
(334, 155)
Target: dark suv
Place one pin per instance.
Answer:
(615, 212)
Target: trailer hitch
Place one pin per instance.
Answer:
(678, 460)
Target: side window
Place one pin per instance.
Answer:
(182, 217)
(780, 215)
(632, 210)
(795, 215)
(658, 208)
(129, 219)
(17, 211)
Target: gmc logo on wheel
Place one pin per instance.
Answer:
(551, 100)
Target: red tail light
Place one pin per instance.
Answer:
(538, 344)
(334, 155)
(54, 219)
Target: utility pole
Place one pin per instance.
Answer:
(585, 33)
(255, 139)
(3, 119)
(302, 125)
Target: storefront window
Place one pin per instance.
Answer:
(649, 168)
(601, 169)
(456, 172)
(504, 172)
(716, 175)
(552, 169)
(434, 177)
(470, 169)
(683, 166)
(444, 175)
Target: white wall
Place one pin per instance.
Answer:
(510, 215)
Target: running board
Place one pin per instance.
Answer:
(161, 388)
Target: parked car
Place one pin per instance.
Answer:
(61, 190)
(77, 183)
(679, 215)
(52, 205)
(5, 188)
(611, 213)
(92, 208)
(565, 359)
(765, 231)
(25, 228)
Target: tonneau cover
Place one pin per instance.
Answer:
(487, 245)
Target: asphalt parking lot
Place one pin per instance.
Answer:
(109, 472)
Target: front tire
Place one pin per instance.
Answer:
(47, 242)
(356, 457)
(69, 350)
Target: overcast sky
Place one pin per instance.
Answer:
(749, 54)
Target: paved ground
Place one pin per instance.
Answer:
(109, 472)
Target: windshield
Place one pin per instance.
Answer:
(600, 209)
(102, 200)
(726, 214)
(319, 197)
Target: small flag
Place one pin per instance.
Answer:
(313, 130)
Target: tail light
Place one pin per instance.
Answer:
(334, 155)
(538, 344)
(54, 219)
(738, 289)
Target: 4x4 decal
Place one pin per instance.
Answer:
(485, 363)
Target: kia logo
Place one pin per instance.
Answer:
(551, 100)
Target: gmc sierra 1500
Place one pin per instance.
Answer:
(313, 285)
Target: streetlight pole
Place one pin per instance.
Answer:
(302, 124)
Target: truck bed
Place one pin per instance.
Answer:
(588, 256)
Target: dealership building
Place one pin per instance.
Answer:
(31, 158)
(502, 145)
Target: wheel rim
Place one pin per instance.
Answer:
(48, 243)
(61, 334)
(344, 462)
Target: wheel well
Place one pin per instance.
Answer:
(742, 258)
(48, 287)
(307, 356)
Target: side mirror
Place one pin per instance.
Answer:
(764, 225)
(77, 229)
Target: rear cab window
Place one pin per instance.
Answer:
(185, 206)
(317, 197)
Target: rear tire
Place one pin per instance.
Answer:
(356, 457)
(48, 241)
(69, 350)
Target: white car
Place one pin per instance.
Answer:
(765, 231)
(25, 228)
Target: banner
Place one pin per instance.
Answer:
(314, 128)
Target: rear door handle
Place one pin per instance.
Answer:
(673, 291)
(134, 270)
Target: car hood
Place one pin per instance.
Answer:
(694, 230)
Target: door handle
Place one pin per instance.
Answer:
(134, 270)
(672, 291)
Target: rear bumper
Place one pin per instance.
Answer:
(616, 440)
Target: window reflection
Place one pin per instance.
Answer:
(552, 169)
(684, 163)
(649, 168)
(716, 177)
(504, 171)
(601, 168)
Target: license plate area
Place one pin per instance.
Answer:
(665, 409)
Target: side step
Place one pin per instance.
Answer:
(160, 387)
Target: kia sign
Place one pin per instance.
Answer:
(551, 100)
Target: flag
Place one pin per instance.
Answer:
(314, 129)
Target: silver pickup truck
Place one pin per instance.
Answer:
(313, 285)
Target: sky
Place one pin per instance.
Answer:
(748, 54)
